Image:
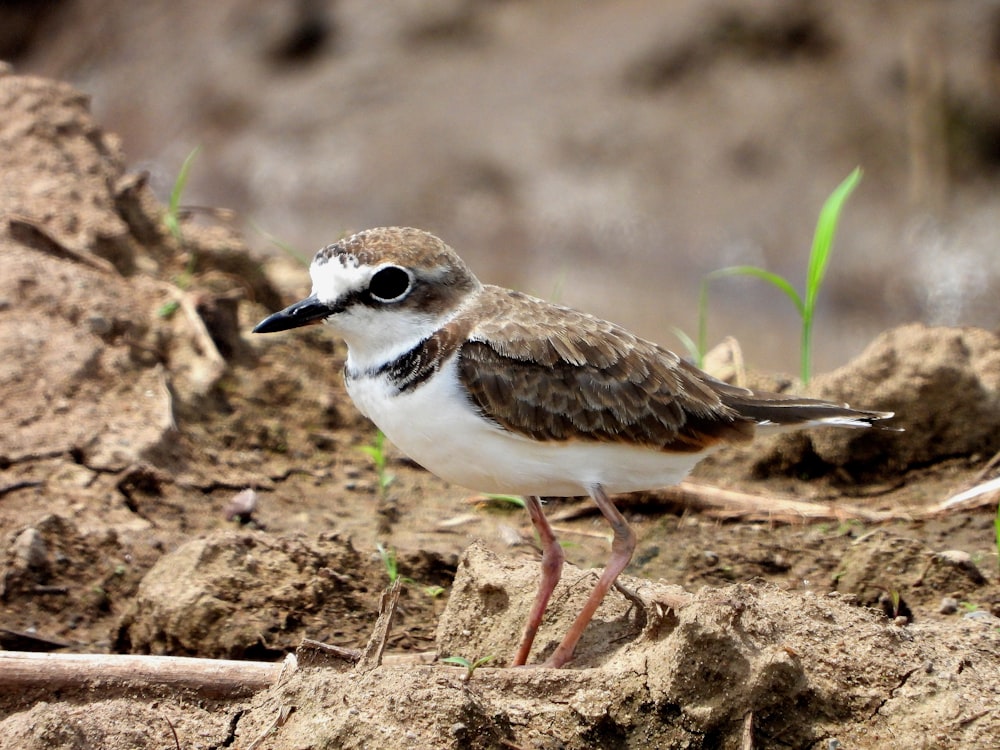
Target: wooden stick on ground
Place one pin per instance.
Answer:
(773, 508)
(216, 678)
(371, 657)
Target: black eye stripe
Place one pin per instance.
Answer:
(389, 284)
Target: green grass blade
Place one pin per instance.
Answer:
(688, 343)
(772, 278)
(826, 229)
(388, 556)
(286, 248)
(172, 219)
(515, 500)
(819, 258)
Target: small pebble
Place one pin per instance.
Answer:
(29, 549)
(241, 506)
(981, 615)
(99, 325)
(948, 606)
(957, 557)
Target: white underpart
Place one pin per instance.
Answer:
(437, 426)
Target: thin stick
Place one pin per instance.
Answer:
(372, 655)
(732, 504)
(220, 678)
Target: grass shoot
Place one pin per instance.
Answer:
(388, 557)
(376, 452)
(470, 666)
(515, 500)
(172, 219)
(819, 259)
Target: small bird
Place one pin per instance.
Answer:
(498, 391)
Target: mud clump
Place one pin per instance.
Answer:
(943, 384)
(790, 669)
(247, 596)
(891, 571)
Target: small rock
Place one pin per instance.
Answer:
(948, 606)
(956, 557)
(29, 550)
(981, 615)
(99, 325)
(241, 506)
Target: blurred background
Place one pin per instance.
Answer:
(604, 154)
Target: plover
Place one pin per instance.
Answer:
(498, 391)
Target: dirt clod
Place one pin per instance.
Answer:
(246, 595)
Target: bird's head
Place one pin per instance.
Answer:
(384, 290)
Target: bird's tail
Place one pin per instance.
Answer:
(791, 411)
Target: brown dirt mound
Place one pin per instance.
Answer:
(725, 666)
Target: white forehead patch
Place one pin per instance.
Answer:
(337, 276)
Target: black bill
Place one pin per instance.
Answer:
(302, 313)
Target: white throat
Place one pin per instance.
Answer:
(375, 335)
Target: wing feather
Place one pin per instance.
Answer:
(553, 373)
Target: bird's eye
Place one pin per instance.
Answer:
(389, 284)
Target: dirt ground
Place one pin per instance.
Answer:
(138, 412)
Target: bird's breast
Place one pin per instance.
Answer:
(437, 425)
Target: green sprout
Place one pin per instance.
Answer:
(286, 248)
(819, 258)
(388, 555)
(172, 219)
(389, 561)
(470, 666)
(167, 309)
(515, 500)
(376, 452)
(895, 597)
(689, 344)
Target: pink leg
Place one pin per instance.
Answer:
(621, 553)
(552, 562)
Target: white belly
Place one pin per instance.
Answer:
(438, 428)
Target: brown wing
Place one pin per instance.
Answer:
(557, 374)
